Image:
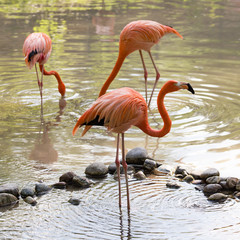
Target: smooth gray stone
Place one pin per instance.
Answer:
(7, 199)
(96, 169)
(209, 173)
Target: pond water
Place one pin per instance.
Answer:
(205, 131)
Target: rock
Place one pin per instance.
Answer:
(237, 195)
(197, 182)
(96, 169)
(181, 171)
(173, 185)
(7, 199)
(213, 180)
(212, 188)
(218, 197)
(30, 201)
(25, 192)
(10, 188)
(232, 182)
(67, 177)
(41, 188)
(140, 175)
(74, 201)
(81, 182)
(188, 179)
(180, 176)
(238, 185)
(137, 156)
(200, 187)
(112, 168)
(196, 175)
(160, 171)
(224, 184)
(60, 185)
(209, 173)
(149, 164)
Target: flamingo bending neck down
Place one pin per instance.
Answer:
(122, 108)
(37, 47)
(138, 35)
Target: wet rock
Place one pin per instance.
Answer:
(81, 182)
(60, 185)
(196, 175)
(238, 185)
(67, 177)
(213, 180)
(212, 188)
(237, 195)
(160, 171)
(232, 182)
(180, 176)
(10, 188)
(41, 188)
(173, 185)
(30, 201)
(96, 169)
(197, 182)
(224, 184)
(137, 156)
(140, 175)
(7, 199)
(209, 173)
(74, 201)
(149, 164)
(218, 197)
(25, 192)
(188, 179)
(200, 187)
(112, 168)
(181, 171)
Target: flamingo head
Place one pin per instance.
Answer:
(172, 86)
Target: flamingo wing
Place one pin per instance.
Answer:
(117, 110)
(37, 48)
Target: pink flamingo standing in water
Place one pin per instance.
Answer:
(122, 108)
(139, 35)
(37, 47)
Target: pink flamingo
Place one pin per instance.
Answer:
(37, 47)
(122, 108)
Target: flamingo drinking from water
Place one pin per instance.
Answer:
(37, 48)
(139, 35)
(122, 108)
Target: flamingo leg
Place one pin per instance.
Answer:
(41, 87)
(157, 78)
(145, 72)
(124, 164)
(38, 78)
(117, 162)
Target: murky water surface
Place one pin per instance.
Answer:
(205, 131)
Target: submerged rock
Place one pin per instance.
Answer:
(212, 188)
(59, 185)
(96, 169)
(10, 188)
(173, 184)
(81, 182)
(209, 173)
(137, 156)
(7, 199)
(74, 201)
(149, 164)
(188, 179)
(140, 175)
(30, 201)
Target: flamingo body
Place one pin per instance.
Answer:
(37, 48)
(122, 108)
(138, 35)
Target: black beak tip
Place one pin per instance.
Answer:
(190, 89)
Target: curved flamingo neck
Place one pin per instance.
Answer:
(61, 86)
(114, 73)
(164, 114)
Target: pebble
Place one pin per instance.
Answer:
(140, 175)
(213, 180)
(41, 188)
(67, 177)
(30, 201)
(10, 188)
(149, 164)
(212, 188)
(232, 182)
(25, 192)
(173, 185)
(137, 156)
(218, 197)
(188, 179)
(112, 168)
(96, 169)
(81, 182)
(181, 171)
(74, 201)
(7, 199)
(60, 185)
(209, 173)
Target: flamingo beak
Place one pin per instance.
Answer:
(187, 86)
